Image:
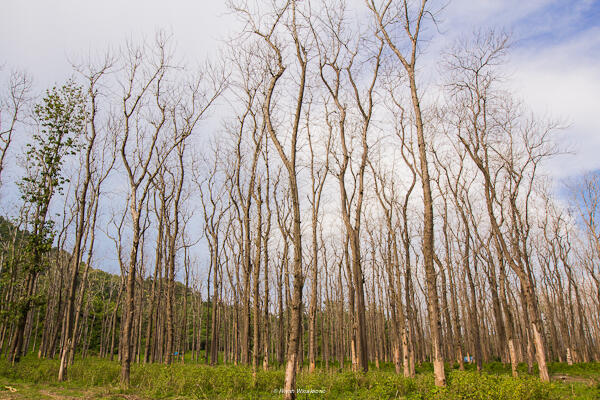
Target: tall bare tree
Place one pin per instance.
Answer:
(93, 76)
(12, 105)
(409, 16)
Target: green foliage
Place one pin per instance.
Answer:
(424, 367)
(579, 369)
(94, 372)
(61, 115)
(475, 386)
(199, 381)
(391, 385)
(30, 369)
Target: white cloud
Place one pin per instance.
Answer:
(40, 35)
(467, 14)
(553, 66)
(563, 81)
(559, 77)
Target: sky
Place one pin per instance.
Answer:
(554, 65)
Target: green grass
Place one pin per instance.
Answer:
(96, 378)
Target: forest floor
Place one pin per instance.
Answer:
(95, 378)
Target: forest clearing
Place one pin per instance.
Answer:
(345, 199)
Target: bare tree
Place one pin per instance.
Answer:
(93, 75)
(586, 200)
(12, 105)
(274, 61)
(409, 17)
(497, 137)
(318, 175)
(339, 54)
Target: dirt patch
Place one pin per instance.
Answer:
(54, 395)
(573, 379)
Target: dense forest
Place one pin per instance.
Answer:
(309, 201)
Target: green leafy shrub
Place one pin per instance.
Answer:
(476, 386)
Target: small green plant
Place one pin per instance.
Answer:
(199, 381)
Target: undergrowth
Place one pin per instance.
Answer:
(197, 381)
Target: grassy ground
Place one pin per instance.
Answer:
(95, 378)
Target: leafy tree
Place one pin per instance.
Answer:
(61, 116)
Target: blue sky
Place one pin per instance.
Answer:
(554, 65)
(558, 21)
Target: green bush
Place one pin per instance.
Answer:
(391, 386)
(94, 372)
(483, 386)
(31, 369)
